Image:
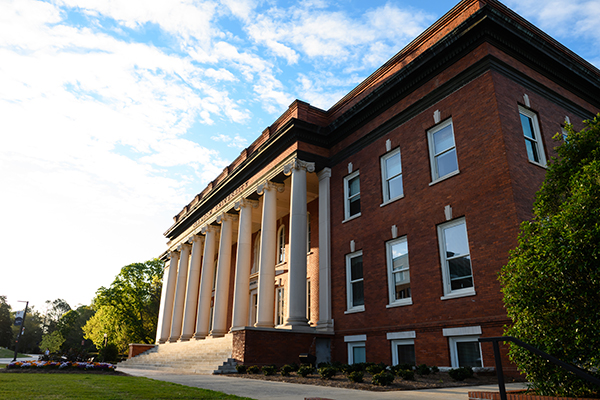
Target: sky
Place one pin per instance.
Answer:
(114, 114)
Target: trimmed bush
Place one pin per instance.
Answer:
(269, 370)
(374, 369)
(253, 369)
(241, 369)
(406, 374)
(383, 379)
(423, 369)
(323, 364)
(286, 369)
(435, 370)
(327, 372)
(305, 370)
(355, 376)
(294, 366)
(460, 374)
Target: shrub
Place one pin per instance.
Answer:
(460, 374)
(269, 370)
(241, 369)
(406, 374)
(356, 376)
(374, 369)
(323, 364)
(286, 369)
(295, 367)
(423, 369)
(253, 369)
(327, 372)
(305, 370)
(383, 379)
(435, 370)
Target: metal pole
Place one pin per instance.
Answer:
(20, 330)
(499, 372)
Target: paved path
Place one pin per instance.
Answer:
(30, 357)
(266, 390)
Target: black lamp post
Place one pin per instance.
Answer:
(20, 329)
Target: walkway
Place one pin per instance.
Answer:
(265, 390)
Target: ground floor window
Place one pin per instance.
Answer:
(357, 348)
(403, 352)
(280, 311)
(465, 351)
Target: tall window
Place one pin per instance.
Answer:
(256, 259)
(280, 311)
(308, 299)
(253, 307)
(281, 244)
(354, 280)
(398, 272)
(533, 137)
(456, 258)
(391, 171)
(442, 151)
(308, 232)
(352, 195)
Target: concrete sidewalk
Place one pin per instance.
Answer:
(265, 390)
(30, 357)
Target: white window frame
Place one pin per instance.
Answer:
(256, 260)
(355, 341)
(537, 141)
(308, 233)
(400, 342)
(308, 299)
(281, 244)
(448, 292)
(392, 301)
(253, 307)
(435, 177)
(347, 179)
(453, 340)
(349, 282)
(280, 306)
(385, 178)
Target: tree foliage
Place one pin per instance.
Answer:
(6, 322)
(32, 332)
(551, 283)
(127, 311)
(54, 311)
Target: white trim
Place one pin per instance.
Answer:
(402, 342)
(453, 340)
(456, 295)
(351, 218)
(347, 179)
(385, 178)
(537, 140)
(281, 245)
(351, 346)
(401, 335)
(349, 306)
(432, 155)
(462, 331)
(448, 292)
(392, 301)
(355, 338)
(443, 178)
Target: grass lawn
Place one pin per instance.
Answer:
(93, 386)
(5, 353)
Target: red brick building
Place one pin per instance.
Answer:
(374, 231)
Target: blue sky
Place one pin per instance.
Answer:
(115, 113)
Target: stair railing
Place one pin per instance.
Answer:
(500, 374)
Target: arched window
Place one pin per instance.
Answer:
(256, 258)
(281, 244)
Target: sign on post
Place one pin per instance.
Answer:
(19, 318)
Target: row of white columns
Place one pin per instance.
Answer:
(187, 288)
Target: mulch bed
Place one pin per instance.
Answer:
(434, 380)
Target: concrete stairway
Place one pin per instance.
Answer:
(207, 356)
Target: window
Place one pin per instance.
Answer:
(308, 232)
(391, 176)
(280, 311)
(533, 137)
(442, 151)
(456, 259)
(354, 279)
(281, 245)
(465, 351)
(398, 272)
(356, 348)
(403, 352)
(256, 259)
(308, 300)
(253, 307)
(215, 275)
(352, 195)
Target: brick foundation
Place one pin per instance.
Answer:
(138, 348)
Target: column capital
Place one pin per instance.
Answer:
(196, 238)
(226, 217)
(245, 203)
(298, 164)
(182, 246)
(172, 252)
(268, 185)
(209, 228)
(324, 173)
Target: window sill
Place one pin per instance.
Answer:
(458, 295)
(400, 303)
(355, 310)
(351, 218)
(385, 203)
(443, 178)
(545, 166)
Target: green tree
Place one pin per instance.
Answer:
(6, 322)
(54, 310)
(127, 311)
(551, 283)
(32, 332)
(52, 341)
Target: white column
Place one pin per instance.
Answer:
(243, 264)
(166, 299)
(298, 243)
(182, 272)
(219, 326)
(206, 281)
(191, 293)
(325, 322)
(268, 244)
